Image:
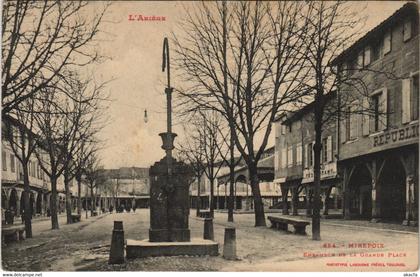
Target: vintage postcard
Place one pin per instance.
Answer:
(219, 136)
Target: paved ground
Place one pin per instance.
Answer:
(85, 246)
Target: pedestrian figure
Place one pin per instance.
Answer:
(111, 208)
(9, 215)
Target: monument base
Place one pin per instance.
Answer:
(195, 247)
(162, 235)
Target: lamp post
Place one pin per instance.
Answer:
(168, 137)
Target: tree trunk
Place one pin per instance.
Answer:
(27, 204)
(68, 199)
(198, 195)
(316, 226)
(231, 178)
(53, 203)
(212, 197)
(258, 204)
(79, 197)
(92, 200)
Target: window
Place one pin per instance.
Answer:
(365, 116)
(344, 70)
(290, 127)
(353, 116)
(283, 158)
(415, 98)
(324, 150)
(12, 162)
(387, 42)
(309, 155)
(360, 60)
(366, 59)
(347, 124)
(290, 156)
(329, 149)
(379, 110)
(375, 110)
(3, 160)
(351, 66)
(376, 49)
(407, 30)
(299, 153)
(283, 129)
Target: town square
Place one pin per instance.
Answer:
(215, 136)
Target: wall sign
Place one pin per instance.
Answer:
(397, 135)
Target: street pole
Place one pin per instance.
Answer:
(168, 137)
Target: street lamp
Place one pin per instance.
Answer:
(168, 137)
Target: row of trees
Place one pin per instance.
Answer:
(249, 62)
(55, 106)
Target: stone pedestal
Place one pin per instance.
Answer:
(169, 202)
(116, 255)
(195, 247)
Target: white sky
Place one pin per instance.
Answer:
(136, 51)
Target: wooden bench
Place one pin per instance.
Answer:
(282, 222)
(75, 218)
(13, 233)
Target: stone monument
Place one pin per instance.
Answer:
(169, 234)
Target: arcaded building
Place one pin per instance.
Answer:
(378, 151)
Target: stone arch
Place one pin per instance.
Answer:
(4, 202)
(392, 190)
(360, 189)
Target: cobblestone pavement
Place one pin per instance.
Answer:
(85, 246)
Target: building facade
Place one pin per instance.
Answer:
(125, 187)
(40, 187)
(294, 164)
(370, 152)
(378, 151)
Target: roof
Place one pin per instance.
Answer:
(409, 9)
(298, 114)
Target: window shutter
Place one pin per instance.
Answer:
(367, 56)
(407, 30)
(305, 158)
(360, 60)
(299, 154)
(384, 110)
(353, 121)
(365, 116)
(283, 157)
(342, 128)
(406, 101)
(329, 149)
(313, 153)
(387, 42)
(276, 159)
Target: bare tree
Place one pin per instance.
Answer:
(192, 153)
(42, 39)
(206, 135)
(19, 132)
(94, 178)
(62, 125)
(244, 60)
(332, 28)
